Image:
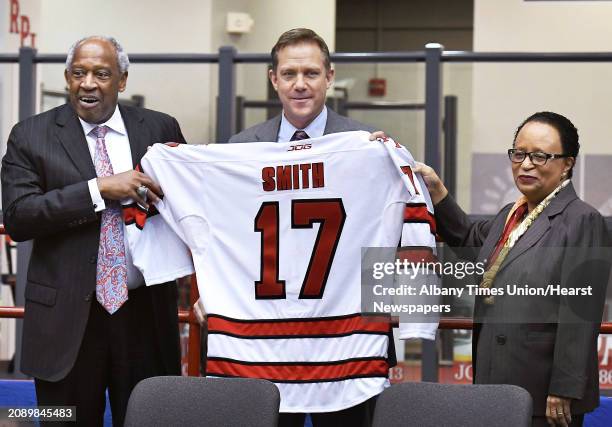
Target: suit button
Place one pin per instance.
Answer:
(501, 339)
(93, 259)
(89, 296)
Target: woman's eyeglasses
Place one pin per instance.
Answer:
(538, 158)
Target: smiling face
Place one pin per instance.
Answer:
(301, 81)
(94, 80)
(537, 182)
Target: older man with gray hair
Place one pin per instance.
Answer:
(90, 323)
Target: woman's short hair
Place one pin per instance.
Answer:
(564, 127)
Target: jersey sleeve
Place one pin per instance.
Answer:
(157, 241)
(417, 244)
(157, 250)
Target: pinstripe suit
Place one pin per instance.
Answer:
(45, 197)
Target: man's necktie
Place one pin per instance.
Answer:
(299, 135)
(111, 275)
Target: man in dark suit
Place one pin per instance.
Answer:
(301, 74)
(90, 323)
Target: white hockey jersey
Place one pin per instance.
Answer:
(276, 231)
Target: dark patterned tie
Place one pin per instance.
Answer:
(299, 135)
(111, 275)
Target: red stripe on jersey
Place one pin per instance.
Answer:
(416, 255)
(408, 172)
(298, 372)
(302, 328)
(418, 213)
(132, 214)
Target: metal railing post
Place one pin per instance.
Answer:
(226, 109)
(433, 103)
(450, 144)
(27, 82)
(240, 112)
(433, 121)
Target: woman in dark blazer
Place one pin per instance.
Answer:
(546, 344)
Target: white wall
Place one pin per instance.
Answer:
(505, 94)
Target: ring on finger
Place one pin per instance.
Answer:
(142, 192)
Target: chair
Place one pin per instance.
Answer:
(196, 401)
(435, 405)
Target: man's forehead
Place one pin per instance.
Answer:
(95, 49)
(301, 54)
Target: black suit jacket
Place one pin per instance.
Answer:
(268, 130)
(545, 344)
(45, 197)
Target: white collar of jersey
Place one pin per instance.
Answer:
(115, 123)
(314, 130)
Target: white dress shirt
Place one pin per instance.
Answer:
(118, 149)
(314, 130)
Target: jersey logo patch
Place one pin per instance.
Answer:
(299, 147)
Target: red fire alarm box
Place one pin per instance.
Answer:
(377, 87)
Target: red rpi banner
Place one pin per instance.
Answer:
(20, 24)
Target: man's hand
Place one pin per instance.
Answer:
(558, 412)
(200, 313)
(434, 184)
(377, 134)
(124, 185)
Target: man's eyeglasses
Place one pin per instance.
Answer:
(538, 158)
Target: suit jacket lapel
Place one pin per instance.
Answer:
(489, 244)
(332, 122)
(529, 239)
(138, 134)
(70, 134)
(541, 225)
(269, 132)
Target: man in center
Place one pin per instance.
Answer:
(301, 74)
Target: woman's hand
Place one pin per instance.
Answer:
(558, 412)
(434, 184)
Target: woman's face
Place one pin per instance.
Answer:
(537, 182)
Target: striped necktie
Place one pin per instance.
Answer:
(299, 135)
(111, 274)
